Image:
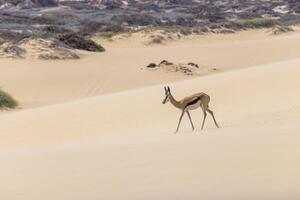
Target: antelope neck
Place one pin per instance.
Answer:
(174, 102)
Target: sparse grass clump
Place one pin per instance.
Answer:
(7, 101)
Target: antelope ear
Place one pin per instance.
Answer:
(169, 89)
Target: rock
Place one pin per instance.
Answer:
(193, 64)
(151, 65)
(189, 69)
(165, 62)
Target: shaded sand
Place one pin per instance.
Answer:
(121, 146)
(39, 83)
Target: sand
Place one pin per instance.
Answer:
(121, 145)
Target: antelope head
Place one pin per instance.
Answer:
(167, 95)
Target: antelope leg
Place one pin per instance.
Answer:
(180, 121)
(204, 113)
(212, 114)
(190, 119)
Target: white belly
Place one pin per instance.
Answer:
(194, 106)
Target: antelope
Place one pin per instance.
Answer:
(188, 103)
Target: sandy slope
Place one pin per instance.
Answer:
(39, 83)
(121, 146)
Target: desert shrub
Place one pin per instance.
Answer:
(7, 101)
(290, 19)
(216, 17)
(204, 29)
(2, 41)
(156, 39)
(36, 3)
(169, 29)
(255, 23)
(12, 36)
(76, 41)
(226, 31)
(96, 27)
(77, 5)
(11, 18)
(107, 34)
(281, 29)
(215, 26)
(91, 28)
(46, 2)
(14, 51)
(137, 20)
(54, 31)
(114, 28)
(185, 31)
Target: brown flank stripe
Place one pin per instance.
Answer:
(193, 102)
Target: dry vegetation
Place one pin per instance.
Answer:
(7, 101)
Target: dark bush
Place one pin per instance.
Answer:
(7, 101)
(77, 41)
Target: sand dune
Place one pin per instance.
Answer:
(122, 146)
(241, 96)
(38, 83)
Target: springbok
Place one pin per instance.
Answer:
(190, 103)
